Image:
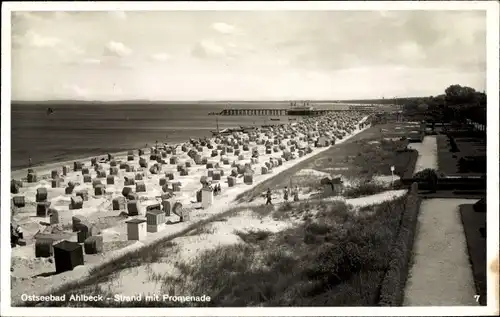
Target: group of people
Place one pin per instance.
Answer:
(16, 234)
(216, 189)
(286, 194)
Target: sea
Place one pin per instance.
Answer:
(75, 131)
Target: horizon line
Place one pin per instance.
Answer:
(216, 100)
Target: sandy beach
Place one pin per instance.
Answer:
(256, 161)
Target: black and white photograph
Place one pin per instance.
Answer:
(226, 157)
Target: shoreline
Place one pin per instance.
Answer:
(63, 139)
(52, 162)
(45, 169)
(225, 203)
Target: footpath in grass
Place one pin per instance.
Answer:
(441, 274)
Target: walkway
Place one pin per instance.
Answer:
(427, 153)
(441, 273)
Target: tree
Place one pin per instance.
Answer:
(423, 107)
(456, 94)
(430, 177)
(456, 104)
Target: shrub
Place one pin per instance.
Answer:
(329, 264)
(263, 210)
(317, 228)
(394, 281)
(201, 230)
(472, 164)
(366, 189)
(287, 206)
(254, 236)
(430, 177)
(453, 144)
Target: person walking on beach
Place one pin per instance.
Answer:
(268, 197)
(296, 194)
(13, 236)
(29, 161)
(285, 193)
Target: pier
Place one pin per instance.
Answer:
(285, 111)
(264, 112)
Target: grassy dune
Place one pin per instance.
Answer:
(336, 256)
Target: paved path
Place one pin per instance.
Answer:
(427, 153)
(441, 274)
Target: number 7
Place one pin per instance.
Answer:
(476, 297)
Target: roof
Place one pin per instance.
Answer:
(155, 212)
(337, 180)
(67, 245)
(76, 198)
(136, 221)
(79, 218)
(54, 236)
(155, 206)
(330, 180)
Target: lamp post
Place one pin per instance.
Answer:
(217, 123)
(392, 174)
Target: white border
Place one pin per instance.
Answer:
(492, 8)
(492, 76)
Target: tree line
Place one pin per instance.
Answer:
(457, 103)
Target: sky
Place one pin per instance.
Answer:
(245, 55)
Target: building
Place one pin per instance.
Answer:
(305, 110)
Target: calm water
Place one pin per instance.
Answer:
(76, 131)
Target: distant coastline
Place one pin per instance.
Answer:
(200, 102)
(154, 102)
